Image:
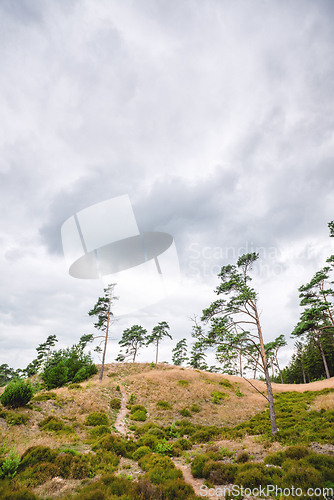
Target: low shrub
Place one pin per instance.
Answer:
(185, 413)
(239, 393)
(54, 424)
(183, 383)
(16, 394)
(219, 473)
(164, 405)
(10, 465)
(218, 397)
(97, 418)
(195, 408)
(164, 448)
(198, 463)
(45, 396)
(242, 457)
(14, 418)
(252, 476)
(8, 492)
(148, 440)
(74, 386)
(136, 408)
(141, 452)
(225, 383)
(296, 452)
(149, 462)
(115, 404)
(99, 430)
(139, 416)
(276, 458)
(111, 443)
(37, 454)
(183, 444)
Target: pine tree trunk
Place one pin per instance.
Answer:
(267, 376)
(105, 345)
(304, 377)
(156, 357)
(323, 359)
(279, 370)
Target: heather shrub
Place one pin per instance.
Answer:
(99, 430)
(115, 404)
(45, 396)
(17, 393)
(185, 412)
(139, 416)
(141, 452)
(97, 418)
(164, 405)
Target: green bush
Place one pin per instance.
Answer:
(252, 476)
(99, 430)
(52, 423)
(185, 413)
(164, 448)
(276, 458)
(97, 418)
(45, 396)
(139, 416)
(296, 452)
(148, 440)
(14, 418)
(183, 444)
(17, 393)
(111, 443)
(242, 457)
(55, 376)
(183, 383)
(115, 404)
(164, 405)
(195, 408)
(8, 493)
(141, 452)
(37, 454)
(136, 408)
(218, 473)
(218, 397)
(149, 462)
(226, 383)
(197, 465)
(239, 393)
(74, 386)
(10, 465)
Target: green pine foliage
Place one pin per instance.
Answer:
(16, 394)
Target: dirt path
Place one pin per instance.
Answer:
(188, 477)
(120, 423)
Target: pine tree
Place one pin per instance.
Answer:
(235, 322)
(102, 310)
(180, 353)
(133, 338)
(158, 333)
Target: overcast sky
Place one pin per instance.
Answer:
(215, 117)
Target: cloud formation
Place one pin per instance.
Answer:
(216, 118)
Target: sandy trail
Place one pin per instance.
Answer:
(120, 423)
(312, 386)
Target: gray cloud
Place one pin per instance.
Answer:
(216, 118)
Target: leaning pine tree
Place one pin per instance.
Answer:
(102, 310)
(235, 322)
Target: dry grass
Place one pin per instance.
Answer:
(325, 401)
(149, 386)
(155, 385)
